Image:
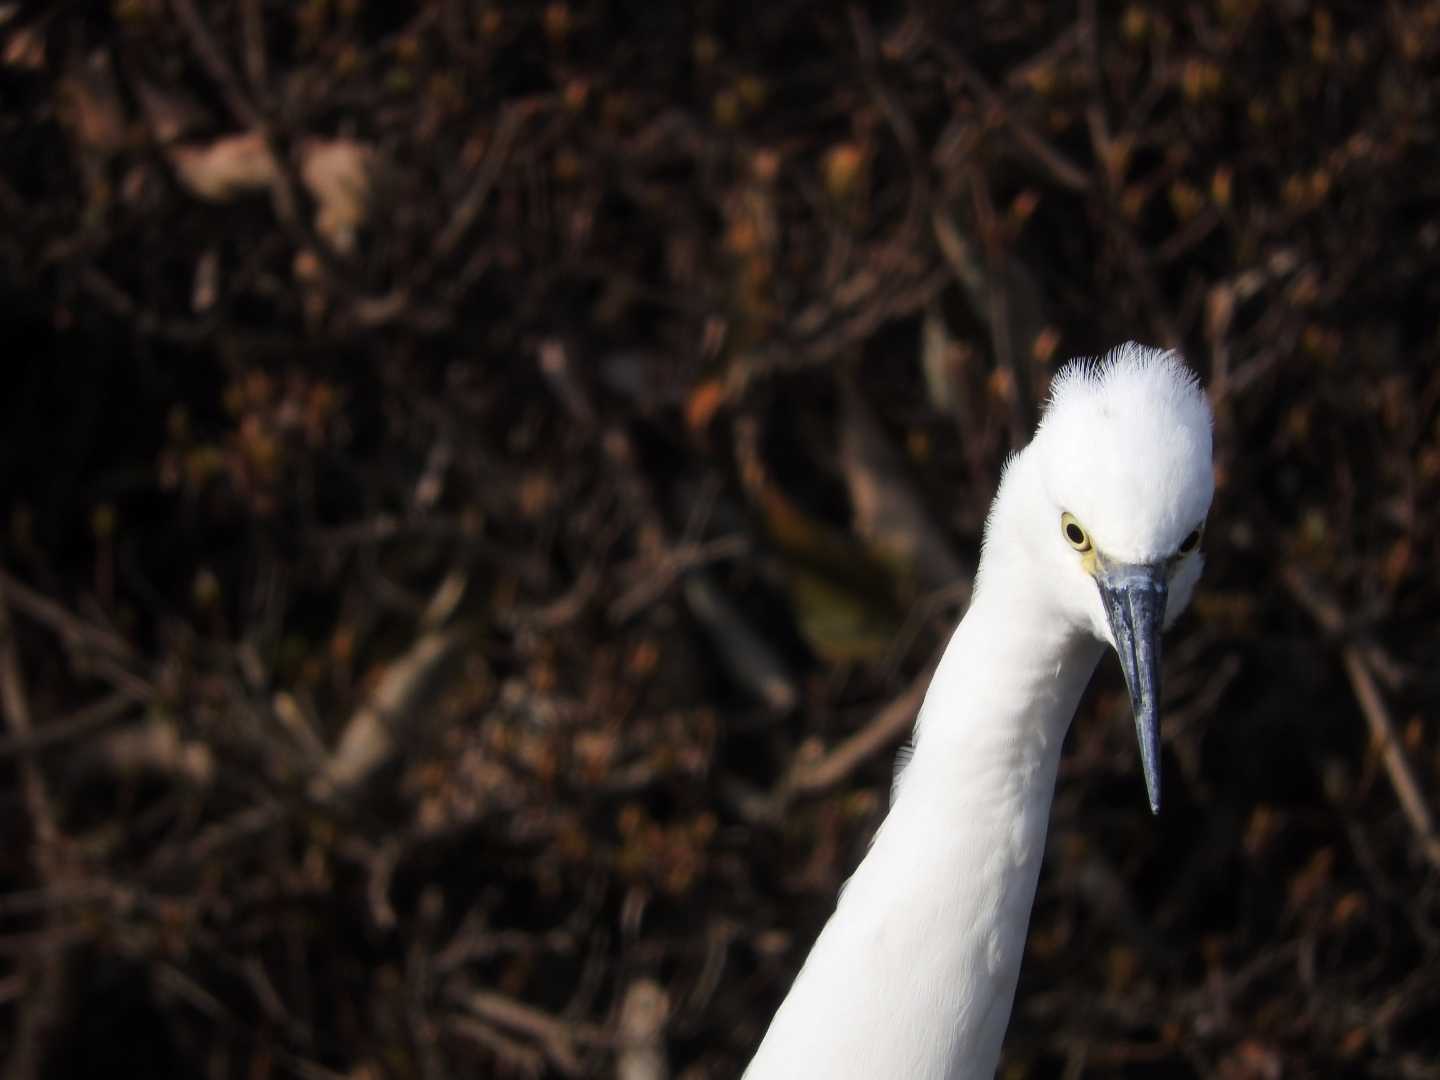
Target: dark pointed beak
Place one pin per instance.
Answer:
(1134, 598)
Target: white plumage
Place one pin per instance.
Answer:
(1092, 541)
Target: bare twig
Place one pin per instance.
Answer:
(1392, 753)
(41, 1014)
(556, 1038)
(517, 1055)
(1328, 613)
(87, 720)
(654, 576)
(749, 656)
(1320, 607)
(253, 21)
(71, 628)
(214, 62)
(16, 707)
(1061, 169)
(886, 729)
(216, 838)
(467, 209)
(899, 120)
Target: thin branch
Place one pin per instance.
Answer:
(73, 629)
(218, 68)
(467, 209)
(1392, 752)
(83, 722)
(16, 707)
(1329, 615)
(886, 729)
(1061, 169)
(44, 1000)
(555, 1038)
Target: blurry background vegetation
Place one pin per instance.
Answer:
(483, 485)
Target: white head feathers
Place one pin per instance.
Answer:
(1127, 450)
(1123, 448)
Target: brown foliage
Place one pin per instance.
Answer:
(484, 484)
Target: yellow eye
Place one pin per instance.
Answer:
(1074, 535)
(1191, 542)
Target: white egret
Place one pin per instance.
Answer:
(1093, 540)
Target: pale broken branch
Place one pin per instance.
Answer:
(376, 730)
(643, 1013)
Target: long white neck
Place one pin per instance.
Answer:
(914, 974)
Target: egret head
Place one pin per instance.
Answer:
(1117, 484)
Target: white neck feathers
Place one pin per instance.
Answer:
(915, 972)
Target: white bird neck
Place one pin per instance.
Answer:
(915, 972)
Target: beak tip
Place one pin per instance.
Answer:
(1152, 783)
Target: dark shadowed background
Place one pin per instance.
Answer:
(483, 485)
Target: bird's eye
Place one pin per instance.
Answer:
(1075, 536)
(1191, 542)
